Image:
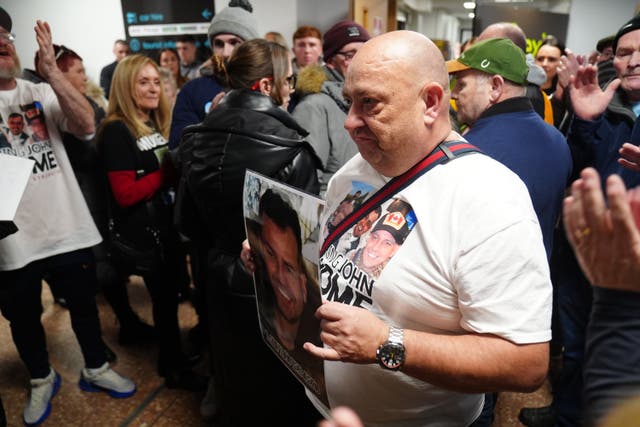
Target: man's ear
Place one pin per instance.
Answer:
(432, 97)
(265, 86)
(497, 88)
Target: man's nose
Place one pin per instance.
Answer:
(352, 121)
(635, 58)
(228, 50)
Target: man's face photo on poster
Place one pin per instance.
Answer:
(282, 258)
(282, 272)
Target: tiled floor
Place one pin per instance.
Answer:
(153, 404)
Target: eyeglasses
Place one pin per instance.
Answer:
(347, 55)
(63, 50)
(8, 37)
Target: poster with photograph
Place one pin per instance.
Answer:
(283, 228)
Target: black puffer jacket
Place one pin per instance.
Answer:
(246, 131)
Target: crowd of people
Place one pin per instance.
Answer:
(445, 185)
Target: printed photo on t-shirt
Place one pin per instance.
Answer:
(24, 133)
(352, 201)
(12, 131)
(354, 261)
(36, 124)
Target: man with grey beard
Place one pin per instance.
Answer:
(55, 230)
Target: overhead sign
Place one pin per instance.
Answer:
(537, 25)
(151, 25)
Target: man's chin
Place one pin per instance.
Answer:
(632, 87)
(291, 320)
(11, 73)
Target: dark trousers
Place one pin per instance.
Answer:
(21, 304)
(574, 307)
(247, 373)
(162, 285)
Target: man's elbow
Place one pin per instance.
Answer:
(531, 380)
(532, 370)
(83, 130)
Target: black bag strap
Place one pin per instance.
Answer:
(444, 152)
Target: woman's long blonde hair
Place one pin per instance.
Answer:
(122, 105)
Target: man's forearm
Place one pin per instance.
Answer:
(475, 363)
(76, 108)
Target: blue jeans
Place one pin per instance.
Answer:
(20, 303)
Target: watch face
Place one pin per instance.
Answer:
(391, 355)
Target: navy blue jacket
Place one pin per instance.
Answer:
(515, 135)
(191, 106)
(596, 143)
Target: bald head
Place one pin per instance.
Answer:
(412, 51)
(505, 30)
(399, 91)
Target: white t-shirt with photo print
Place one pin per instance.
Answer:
(473, 263)
(52, 217)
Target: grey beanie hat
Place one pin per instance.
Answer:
(236, 21)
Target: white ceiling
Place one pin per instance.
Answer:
(456, 8)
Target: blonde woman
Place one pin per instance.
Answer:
(132, 141)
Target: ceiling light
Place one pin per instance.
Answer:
(469, 5)
(472, 15)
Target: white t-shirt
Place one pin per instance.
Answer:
(53, 217)
(473, 261)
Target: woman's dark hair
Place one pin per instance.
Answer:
(180, 79)
(253, 60)
(553, 41)
(167, 49)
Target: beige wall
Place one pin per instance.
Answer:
(377, 16)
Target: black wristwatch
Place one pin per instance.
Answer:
(391, 354)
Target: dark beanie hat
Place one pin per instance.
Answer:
(5, 20)
(633, 24)
(341, 34)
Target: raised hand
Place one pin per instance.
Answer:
(46, 57)
(587, 99)
(630, 156)
(605, 239)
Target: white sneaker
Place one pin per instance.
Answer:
(106, 379)
(39, 404)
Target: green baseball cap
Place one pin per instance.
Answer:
(493, 56)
